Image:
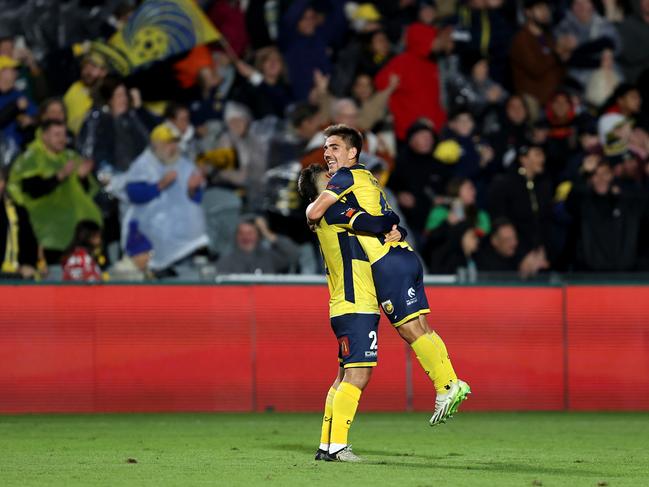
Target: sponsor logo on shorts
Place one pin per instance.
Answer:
(387, 306)
(344, 346)
(370, 354)
(412, 295)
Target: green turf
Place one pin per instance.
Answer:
(486, 449)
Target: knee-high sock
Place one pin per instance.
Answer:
(326, 419)
(430, 358)
(449, 371)
(344, 409)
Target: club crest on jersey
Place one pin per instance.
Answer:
(349, 212)
(387, 306)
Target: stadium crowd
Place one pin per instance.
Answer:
(510, 135)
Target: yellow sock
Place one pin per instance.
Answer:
(429, 356)
(326, 420)
(344, 409)
(449, 373)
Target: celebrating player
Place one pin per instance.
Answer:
(397, 272)
(353, 310)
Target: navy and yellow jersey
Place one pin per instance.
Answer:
(398, 275)
(357, 187)
(348, 271)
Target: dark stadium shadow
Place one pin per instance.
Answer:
(501, 467)
(439, 462)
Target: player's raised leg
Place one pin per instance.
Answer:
(448, 400)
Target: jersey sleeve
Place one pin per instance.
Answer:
(352, 218)
(341, 215)
(341, 183)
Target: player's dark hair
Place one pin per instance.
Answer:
(307, 185)
(350, 136)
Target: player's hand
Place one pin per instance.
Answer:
(393, 235)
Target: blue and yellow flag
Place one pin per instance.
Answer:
(158, 29)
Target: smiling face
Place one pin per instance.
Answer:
(337, 154)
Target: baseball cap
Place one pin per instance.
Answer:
(164, 133)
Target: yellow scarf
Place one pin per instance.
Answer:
(10, 262)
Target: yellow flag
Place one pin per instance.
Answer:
(158, 29)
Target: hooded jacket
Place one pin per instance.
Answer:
(418, 93)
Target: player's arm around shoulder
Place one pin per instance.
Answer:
(316, 210)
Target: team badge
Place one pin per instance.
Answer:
(387, 306)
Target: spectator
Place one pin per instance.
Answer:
(177, 118)
(18, 246)
(481, 31)
(418, 93)
(603, 81)
(378, 53)
(373, 105)
(460, 206)
(267, 92)
(56, 186)
(30, 77)
(134, 265)
(525, 198)
(608, 223)
(561, 144)
(79, 263)
(116, 129)
(165, 190)
(510, 129)
(634, 33)
(249, 141)
(464, 153)
(475, 89)
(78, 98)
(592, 34)
(418, 177)
(17, 112)
(259, 251)
(499, 253)
(450, 248)
(305, 40)
(536, 57)
(302, 139)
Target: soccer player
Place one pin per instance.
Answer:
(354, 314)
(397, 272)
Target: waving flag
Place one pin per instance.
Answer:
(158, 29)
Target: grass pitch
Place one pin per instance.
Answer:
(474, 449)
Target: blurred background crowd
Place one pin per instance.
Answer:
(510, 135)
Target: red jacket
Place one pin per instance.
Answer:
(80, 266)
(418, 92)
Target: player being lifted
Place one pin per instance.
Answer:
(396, 270)
(354, 313)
